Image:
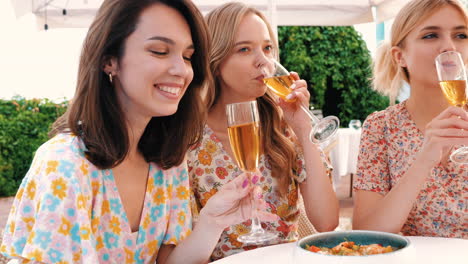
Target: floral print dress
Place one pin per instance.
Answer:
(68, 211)
(389, 143)
(210, 167)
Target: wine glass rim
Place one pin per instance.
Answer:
(449, 52)
(277, 70)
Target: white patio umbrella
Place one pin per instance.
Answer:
(79, 13)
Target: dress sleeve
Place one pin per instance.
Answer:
(372, 169)
(300, 172)
(49, 220)
(180, 216)
(194, 204)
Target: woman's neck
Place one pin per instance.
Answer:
(136, 127)
(424, 104)
(217, 119)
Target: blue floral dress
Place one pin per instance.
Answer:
(69, 211)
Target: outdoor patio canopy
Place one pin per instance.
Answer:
(79, 13)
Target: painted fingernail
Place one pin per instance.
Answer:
(293, 86)
(290, 96)
(245, 183)
(255, 179)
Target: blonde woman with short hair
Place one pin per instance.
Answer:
(405, 181)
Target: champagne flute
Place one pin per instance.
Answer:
(278, 79)
(452, 79)
(244, 136)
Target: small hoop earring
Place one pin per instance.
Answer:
(110, 77)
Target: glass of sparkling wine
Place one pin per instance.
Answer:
(452, 79)
(278, 79)
(244, 136)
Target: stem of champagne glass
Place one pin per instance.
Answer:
(256, 227)
(314, 121)
(312, 117)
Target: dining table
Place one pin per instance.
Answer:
(425, 250)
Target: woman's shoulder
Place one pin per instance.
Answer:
(388, 116)
(62, 155)
(63, 146)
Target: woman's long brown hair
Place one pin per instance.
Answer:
(95, 114)
(223, 23)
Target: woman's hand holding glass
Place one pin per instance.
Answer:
(233, 204)
(449, 128)
(287, 86)
(293, 112)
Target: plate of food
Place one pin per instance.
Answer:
(356, 246)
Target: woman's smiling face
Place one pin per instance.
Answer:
(155, 69)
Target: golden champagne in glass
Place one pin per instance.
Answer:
(245, 143)
(280, 86)
(244, 137)
(452, 79)
(454, 91)
(278, 80)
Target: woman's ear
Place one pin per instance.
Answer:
(397, 55)
(110, 65)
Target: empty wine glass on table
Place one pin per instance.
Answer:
(452, 78)
(244, 137)
(355, 123)
(278, 79)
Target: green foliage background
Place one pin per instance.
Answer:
(336, 64)
(24, 125)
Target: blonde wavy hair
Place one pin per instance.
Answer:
(223, 23)
(388, 76)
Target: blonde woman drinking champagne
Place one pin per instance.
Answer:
(243, 43)
(405, 181)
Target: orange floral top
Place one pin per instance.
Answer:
(210, 167)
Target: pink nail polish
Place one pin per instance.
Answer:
(255, 179)
(245, 183)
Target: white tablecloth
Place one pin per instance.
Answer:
(344, 154)
(426, 250)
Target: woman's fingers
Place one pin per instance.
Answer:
(233, 192)
(294, 75)
(452, 111)
(444, 142)
(299, 91)
(303, 97)
(450, 122)
(240, 182)
(448, 133)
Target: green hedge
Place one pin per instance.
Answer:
(24, 125)
(336, 64)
